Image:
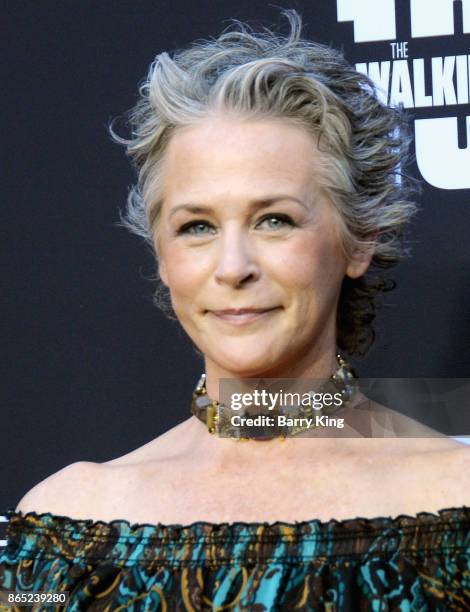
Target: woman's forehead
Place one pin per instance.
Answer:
(241, 135)
(267, 156)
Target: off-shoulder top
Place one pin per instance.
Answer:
(405, 563)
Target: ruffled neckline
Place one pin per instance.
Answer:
(119, 541)
(444, 515)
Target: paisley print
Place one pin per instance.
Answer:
(382, 564)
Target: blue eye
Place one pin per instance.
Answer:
(193, 228)
(204, 228)
(279, 221)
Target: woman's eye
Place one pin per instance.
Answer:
(277, 221)
(195, 228)
(203, 228)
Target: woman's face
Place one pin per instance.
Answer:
(244, 225)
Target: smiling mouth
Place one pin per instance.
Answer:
(242, 317)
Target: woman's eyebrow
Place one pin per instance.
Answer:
(254, 206)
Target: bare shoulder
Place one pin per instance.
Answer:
(460, 458)
(441, 455)
(80, 488)
(87, 490)
(170, 445)
(65, 492)
(456, 466)
(445, 476)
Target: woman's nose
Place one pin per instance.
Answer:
(236, 261)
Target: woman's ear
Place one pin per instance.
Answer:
(361, 258)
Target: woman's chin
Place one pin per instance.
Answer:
(245, 366)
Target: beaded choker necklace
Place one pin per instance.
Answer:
(215, 415)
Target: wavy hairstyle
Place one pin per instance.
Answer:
(363, 144)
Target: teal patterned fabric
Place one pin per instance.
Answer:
(404, 563)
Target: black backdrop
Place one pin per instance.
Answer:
(91, 369)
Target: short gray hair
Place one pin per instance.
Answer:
(261, 75)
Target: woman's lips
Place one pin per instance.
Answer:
(242, 318)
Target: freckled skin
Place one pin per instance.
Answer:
(238, 258)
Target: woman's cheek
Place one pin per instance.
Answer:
(183, 270)
(301, 263)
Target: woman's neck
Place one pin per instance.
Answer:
(308, 366)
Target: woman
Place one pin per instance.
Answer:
(268, 188)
